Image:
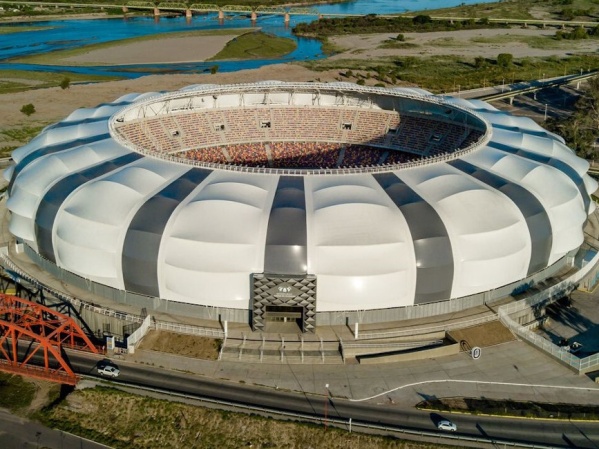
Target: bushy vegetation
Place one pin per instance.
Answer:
(123, 420)
(256, 45)
(28, 109)
(581, 129)
(15, 393)
(445, 73)
(23, 134)
(372, 23)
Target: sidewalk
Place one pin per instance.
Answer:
(512, 370)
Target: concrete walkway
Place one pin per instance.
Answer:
(512, 370)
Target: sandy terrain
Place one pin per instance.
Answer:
(458, 43)
(55, 104)
(156, 51)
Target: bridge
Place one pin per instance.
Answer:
(189, 9)
(45, 333)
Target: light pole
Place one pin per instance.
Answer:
(326, 405)
(545, 119)
(502, 84)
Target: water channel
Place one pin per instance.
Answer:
(66, 34)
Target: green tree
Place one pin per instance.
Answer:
(28, 109)
(504, 59)
(213, 69)
(65, 83)
(581, 129)
(421, 19)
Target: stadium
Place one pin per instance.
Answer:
(303, 202)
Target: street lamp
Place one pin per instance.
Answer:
(502, 84)
(545, 119)
(326, 405)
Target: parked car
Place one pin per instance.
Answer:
(447, 425)
(109, 370)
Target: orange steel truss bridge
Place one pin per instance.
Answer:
(46, 333)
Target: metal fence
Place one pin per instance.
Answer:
(188, 329)
(545, 297)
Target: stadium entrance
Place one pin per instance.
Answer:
(280, 303)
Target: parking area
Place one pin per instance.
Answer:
(574, 320)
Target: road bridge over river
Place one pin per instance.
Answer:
(189, 8)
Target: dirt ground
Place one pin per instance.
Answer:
(55, 104)
(488, 334)
(461, 43)
(185, 345)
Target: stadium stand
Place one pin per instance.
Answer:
(298, 136)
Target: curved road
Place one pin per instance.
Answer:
(550, 433)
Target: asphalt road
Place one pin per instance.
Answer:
(552, 433)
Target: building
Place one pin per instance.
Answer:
(303, 202)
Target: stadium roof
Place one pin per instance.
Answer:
(506, 207)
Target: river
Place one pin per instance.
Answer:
(66, 34)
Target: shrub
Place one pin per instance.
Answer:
(421, 19)
(480, 62)
(504, 59)
(361, 82)
(28, 109)
(213, 69)
(400, 37)
(65, 83)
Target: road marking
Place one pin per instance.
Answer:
(511, 384)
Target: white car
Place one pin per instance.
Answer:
(447, 425)
(108, 370)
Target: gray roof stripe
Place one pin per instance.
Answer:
(432, 247)
(142, 241)
(50, 149)
(536, 217)
(58, 193)
(286, 249)
(547, 160)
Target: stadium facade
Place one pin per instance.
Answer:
(319, 203)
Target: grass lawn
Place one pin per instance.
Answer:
(15, 393)
(123, 420)
(256, 45)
